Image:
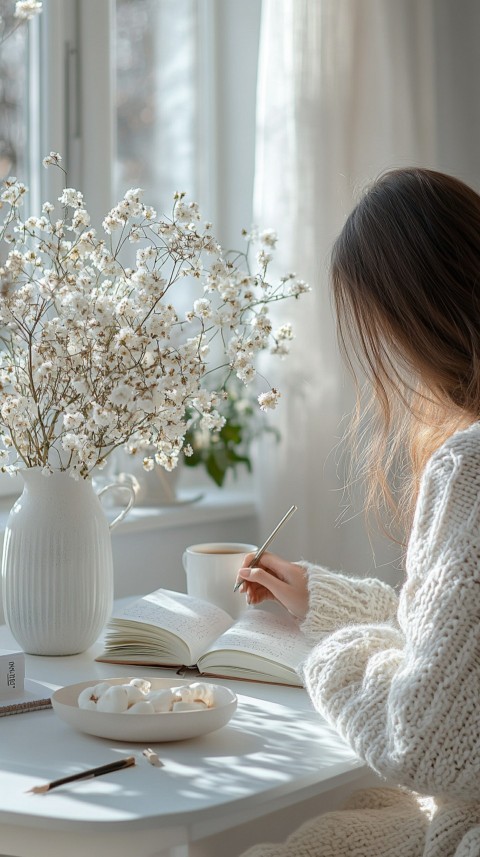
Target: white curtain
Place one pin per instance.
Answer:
(347, 88)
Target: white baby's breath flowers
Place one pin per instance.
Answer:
(203, 308)
(268, 237)
(282, 337)
(71, 197)
(297, 288)
(53, 159)
(268, 401)
(27, 9)
(96, 355)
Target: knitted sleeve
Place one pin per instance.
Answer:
(407, 698)
(336, 600)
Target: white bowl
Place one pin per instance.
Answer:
(168, 726)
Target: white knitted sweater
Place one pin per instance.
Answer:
(399, 679)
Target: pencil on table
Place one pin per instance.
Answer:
(85, 775)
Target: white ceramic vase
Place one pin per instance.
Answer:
(57, 568)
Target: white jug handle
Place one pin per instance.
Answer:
(127, 508)
(184, 560)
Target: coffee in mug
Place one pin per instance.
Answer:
(211, 571)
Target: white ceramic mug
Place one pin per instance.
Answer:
(211, 570)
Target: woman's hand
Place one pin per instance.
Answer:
(275, 579)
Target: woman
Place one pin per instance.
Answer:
(399, 677)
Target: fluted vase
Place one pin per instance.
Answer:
(57, 566)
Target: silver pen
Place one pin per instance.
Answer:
(266, 543)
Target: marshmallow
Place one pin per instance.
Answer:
(186, 694)
(162, 700)
(134, 693)
(100, 689)
(87, 699)
(189, 706)
(136, 697)
(91, 695)
(141, 683)
(204, 692)
(141, 708)
(114, 700)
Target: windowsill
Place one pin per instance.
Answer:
(218, 504)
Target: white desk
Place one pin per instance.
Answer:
(215, 795)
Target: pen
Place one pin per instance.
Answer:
(85, 775)
(266, 543)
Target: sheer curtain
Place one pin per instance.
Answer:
(347, 88)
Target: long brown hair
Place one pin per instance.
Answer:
(406, 288)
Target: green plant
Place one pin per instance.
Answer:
(229, 447)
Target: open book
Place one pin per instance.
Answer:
(171, 629)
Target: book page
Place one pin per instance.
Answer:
(273, 636)
(194, 621)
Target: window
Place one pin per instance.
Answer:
(156, 106)
(13, 93)
(152, 93)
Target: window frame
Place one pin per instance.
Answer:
(71, 77)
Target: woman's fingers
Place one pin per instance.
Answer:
(265, 579)
(256, 594)
(275, 578)
(271, 561)
(261, 584)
